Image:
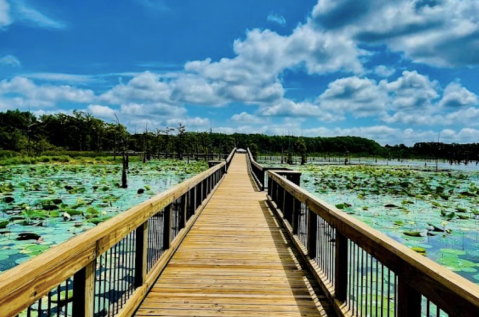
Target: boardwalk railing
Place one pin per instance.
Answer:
(107, 270)
(229, 159)
(365, 272)
(257, 171)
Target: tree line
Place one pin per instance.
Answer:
(23, 132)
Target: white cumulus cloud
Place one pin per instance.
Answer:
(27, 93)
(457, 96)
(436, 32)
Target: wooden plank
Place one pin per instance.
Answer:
(236, 261)
(139, 294)
(156, 299)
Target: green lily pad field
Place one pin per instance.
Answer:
(434, 213)
(44, 205)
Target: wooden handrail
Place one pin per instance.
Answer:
(256, 170)
(230, 158)
(24, 284)
(253, 161)
(417, 276)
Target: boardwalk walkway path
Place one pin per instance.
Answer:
(236, 261)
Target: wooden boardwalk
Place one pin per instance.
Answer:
(236, 261)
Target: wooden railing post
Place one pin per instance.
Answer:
(281, 199)
(189, 205)
(204, 186)
(409, 300)
(84, 291)
(197, 196)
(341, 267)
(312, 233)
(141, 252)
(295, 177)
(183, 211)
(195, 199)
(261, 179)
(288, 208)
(270, 185)
(167, 229)
(276, 193)
(295, 215)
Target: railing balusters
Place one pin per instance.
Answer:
(312, 229)
(341, 268)
(366, 281)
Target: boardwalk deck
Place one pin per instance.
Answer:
(236, 261)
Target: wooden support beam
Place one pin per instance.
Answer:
(341, 268)
(312, 233)
(295, 215)
(409, 300)
(168, 227)
(141, 250)
(183, 209)
(84, 291)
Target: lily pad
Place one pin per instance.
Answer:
(454, 263)
(419, 250)
(4, 223)
(390, 206)
(8, 200)
(452, 252)
(28, 236)
(412, 233)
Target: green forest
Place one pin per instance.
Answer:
(24, 134)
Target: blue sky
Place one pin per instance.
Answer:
(398, 71)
